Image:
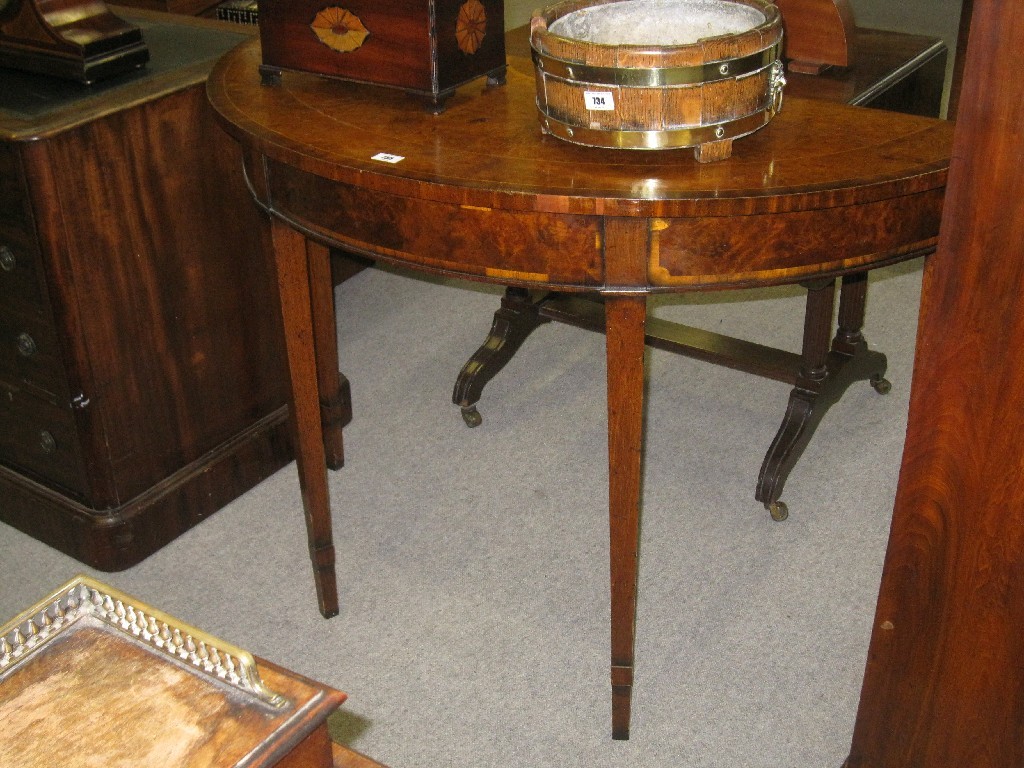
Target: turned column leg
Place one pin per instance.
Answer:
(514, 321)
(852, 300)
(849, 338)
(625, 317)
(293, 277)
(335, 394)
(821, 302)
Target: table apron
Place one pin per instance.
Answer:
(792, 246)
(577, 252)
(500, 246)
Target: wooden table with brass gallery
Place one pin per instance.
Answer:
(590, 174)
(131, 685)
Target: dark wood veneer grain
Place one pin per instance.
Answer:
(944, 684)
(156, 392)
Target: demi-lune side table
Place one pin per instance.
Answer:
(824, 191)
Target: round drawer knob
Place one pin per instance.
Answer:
(26, 345)
(7, 261)
(47, 443)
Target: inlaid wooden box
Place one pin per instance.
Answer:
(427, 47)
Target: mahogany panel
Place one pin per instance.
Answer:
(141, 359)
(118, 538)
(944, 684)
(414, 45)
(478, 241)
(39, 438)
(30, 353)
(702, 251)
(819, 33)
(963, 35)
(164, 297)
(400, 29)
(21, 287)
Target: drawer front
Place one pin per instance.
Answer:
(29, 354)
(39, 439)
(20, 274)
(20, 286)
(14, 211)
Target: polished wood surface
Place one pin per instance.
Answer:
(129, 707)
(944, 684)
(190, 7)
(485, 157)
(93, 677)
(819, 34)
(824, 190)
(887, 70)
(891, 70)
(348, 758)
(963, 35)
(75, 39)
(424, 48)
(140, 271)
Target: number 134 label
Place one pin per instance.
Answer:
(599, 100)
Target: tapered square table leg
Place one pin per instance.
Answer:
(625, 317)
(293, 276)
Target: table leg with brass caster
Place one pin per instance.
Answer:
(778, 511)
(826, 372)
(514, 321)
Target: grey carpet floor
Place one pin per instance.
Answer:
(473, 563)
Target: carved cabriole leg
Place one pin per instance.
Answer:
(625, 317)
(293, 277)
(824, 376)
(335, 394)
(513, 322)
(801, 414)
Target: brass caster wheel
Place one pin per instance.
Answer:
(882, 385)
(472, 416)
(778, 510)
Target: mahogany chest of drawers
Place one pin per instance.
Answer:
(142, 380)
